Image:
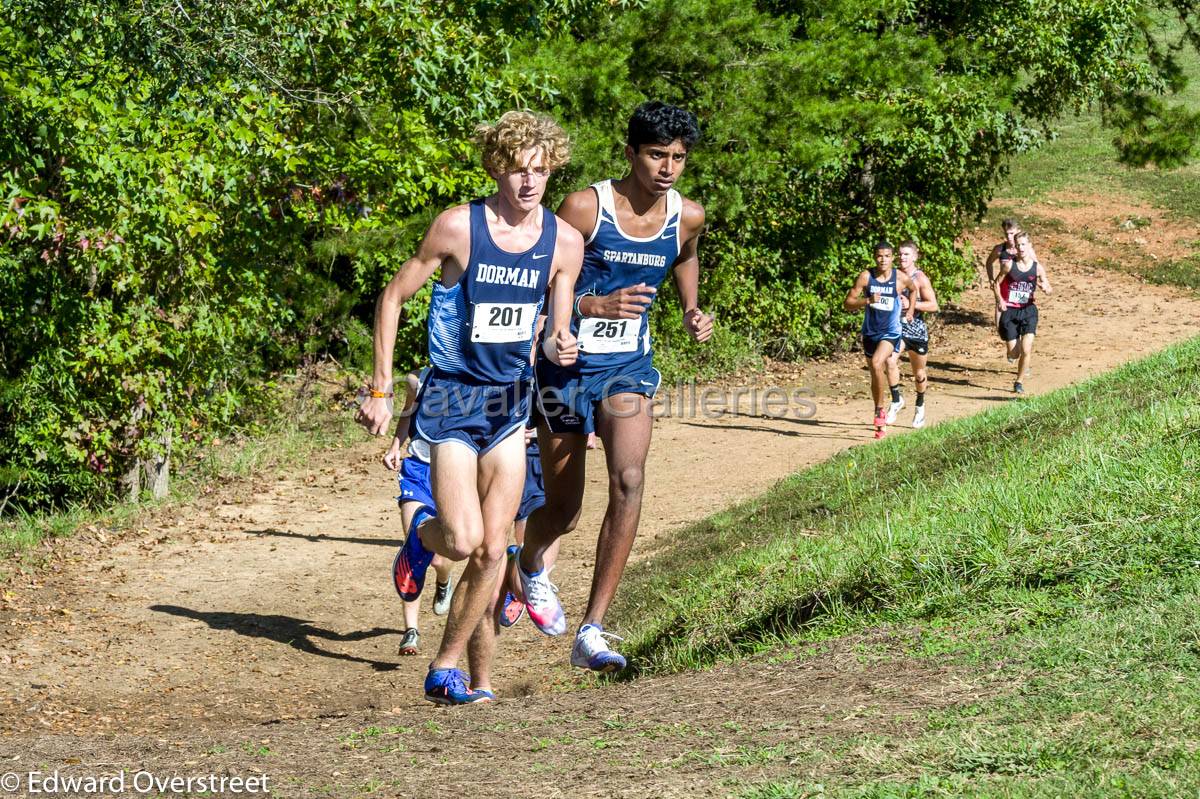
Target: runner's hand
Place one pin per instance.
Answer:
(563, 349)
(392, 458)
(698, 324)
(1001, 306)
(627, 303)
(903, 302)
(374, 415)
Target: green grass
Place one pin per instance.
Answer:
(1104, 704)
(1183, 272)
(1028, 510)
(1053, 544)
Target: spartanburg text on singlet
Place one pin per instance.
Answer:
(482, 327)
(1017, 287)
(613, 260)
(882, 317)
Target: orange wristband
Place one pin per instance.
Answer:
(380, 394)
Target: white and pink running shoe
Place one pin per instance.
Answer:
(541, 602)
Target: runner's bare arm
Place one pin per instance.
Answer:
(559, 344)
(392, 458)
(855, 299)
(926, 298)
(993, 256)
(1043, 279)
(906, 284)
(446, 244)
(579, 210)
(1000, 304)
(687, 272)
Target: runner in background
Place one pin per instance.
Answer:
(1014, 292)
(914, 335)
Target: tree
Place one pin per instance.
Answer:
(831, 125)
(165, 170)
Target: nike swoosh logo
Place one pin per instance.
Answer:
(644, 383)
(665, 236)
(543, 255)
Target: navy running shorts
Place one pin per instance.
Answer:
(534, 494)
(871, 344)
(477, 415)
(567, 399)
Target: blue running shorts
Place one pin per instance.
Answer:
(478, 415)
(871, 344)
(414, 482)
(567, 399)
(534, 495)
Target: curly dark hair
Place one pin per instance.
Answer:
(655, 122)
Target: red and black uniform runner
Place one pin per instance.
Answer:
(1017, 287)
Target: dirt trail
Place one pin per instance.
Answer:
(267, 614)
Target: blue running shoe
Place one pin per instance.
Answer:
(413, 559)
(591, 650)
(449, 687)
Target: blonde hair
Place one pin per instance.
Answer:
(517, 131)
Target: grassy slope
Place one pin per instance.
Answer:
(1058, 535)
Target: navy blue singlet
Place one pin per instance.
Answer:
(482, 327)
(882, 319)
(613, 260)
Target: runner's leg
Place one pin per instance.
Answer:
(563, 470)
(1026, 356)
(879, 385)
(920, 374)
(625, 424)
(477, 497)
(893, 376)
(412, 610)
(481, 650)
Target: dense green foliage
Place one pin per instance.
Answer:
(830, 125)
(192, 197)
(164, 174)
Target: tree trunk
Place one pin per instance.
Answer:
(156, 471)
